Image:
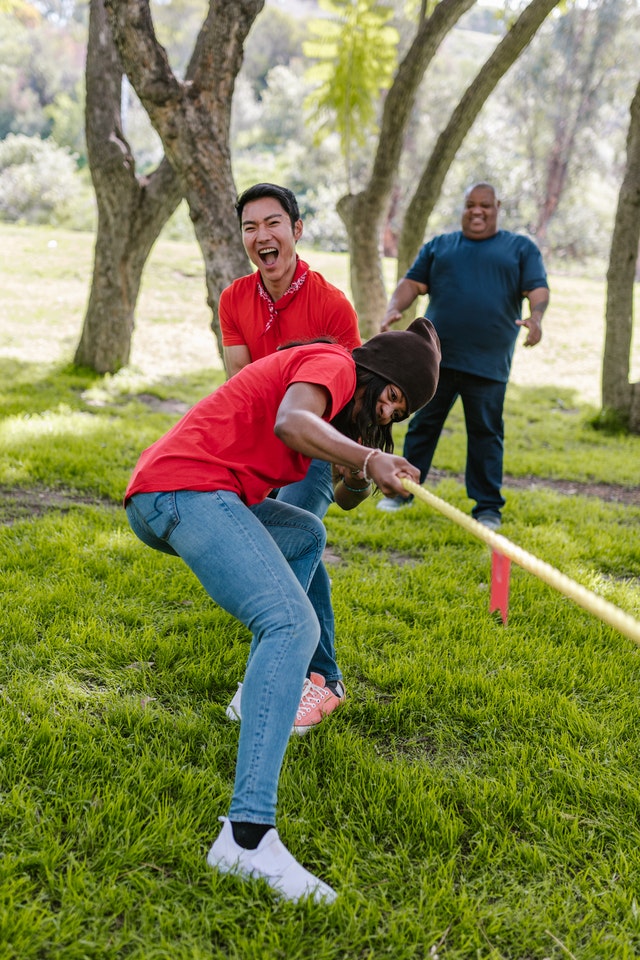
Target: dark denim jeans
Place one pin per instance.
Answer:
(483, 403)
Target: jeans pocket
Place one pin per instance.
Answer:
(158, 512)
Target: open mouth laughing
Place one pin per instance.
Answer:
(268, 255)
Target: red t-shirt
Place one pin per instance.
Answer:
(310, 308)
(226, 441)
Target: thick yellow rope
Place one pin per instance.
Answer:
(605, 611)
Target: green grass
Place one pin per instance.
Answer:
(476, 797)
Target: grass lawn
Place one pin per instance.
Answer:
(476, 797)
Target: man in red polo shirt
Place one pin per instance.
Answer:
(284, 301)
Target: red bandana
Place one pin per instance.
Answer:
(299, 278)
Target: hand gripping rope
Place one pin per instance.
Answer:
(503, 548)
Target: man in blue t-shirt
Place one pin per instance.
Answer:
(476, 279)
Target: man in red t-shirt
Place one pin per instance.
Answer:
(281, 302)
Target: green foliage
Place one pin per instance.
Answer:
(37, 180)
(20, 103)
(355, 53)
(66, 116)
(281, 119)
(41, 77)
(41, 59)
(275, 40)
(177, 24)
(270, 134)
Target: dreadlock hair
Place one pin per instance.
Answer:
(365, 428)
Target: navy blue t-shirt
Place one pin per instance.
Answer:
(475, 296)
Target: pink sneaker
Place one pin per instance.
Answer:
(316, 703)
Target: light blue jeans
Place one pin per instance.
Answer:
(257, 563)
(315, 494)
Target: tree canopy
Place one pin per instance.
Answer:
(355, 55)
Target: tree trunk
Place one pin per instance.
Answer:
(192, 119)
(363, 213)
(131, 210)
(557, 167)
(365, 263)
(460, 122)
(617, 393)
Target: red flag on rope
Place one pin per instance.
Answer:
(500, 573)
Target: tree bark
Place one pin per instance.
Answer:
(460, 122)
(576, 97)
(363, 213)
(131, 210)
(192, 119)
(617, 393)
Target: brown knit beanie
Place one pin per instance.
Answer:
(409, 358)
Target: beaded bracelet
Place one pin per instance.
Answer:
(366, 461)
(356, 489)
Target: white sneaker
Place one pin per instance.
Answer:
(233, 710)
(491, 521)
(390, 504)
(270, 861)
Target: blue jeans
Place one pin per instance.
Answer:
(315, 493)
(483, 403)
(257, 563)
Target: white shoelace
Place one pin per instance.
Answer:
(312, 696)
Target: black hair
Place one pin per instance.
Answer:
(285, 197)
(364, 428)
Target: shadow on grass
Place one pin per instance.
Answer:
(34, 388)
